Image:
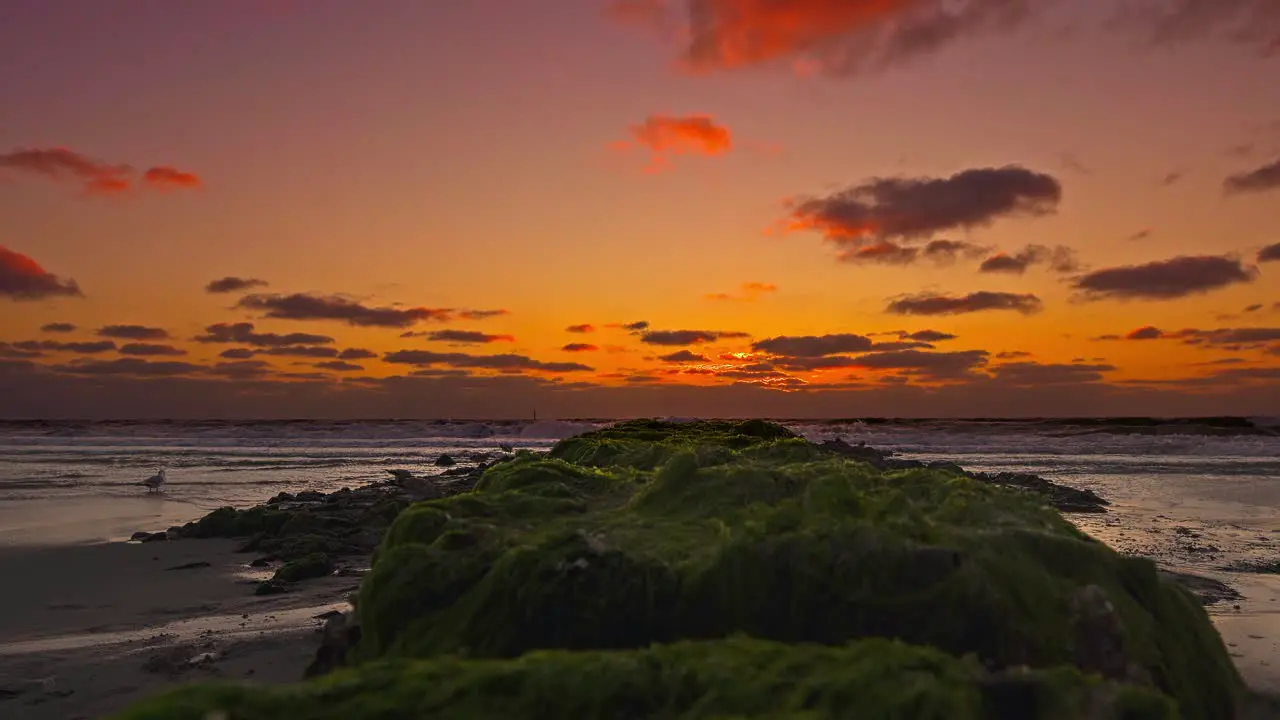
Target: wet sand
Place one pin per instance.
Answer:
(86, 630)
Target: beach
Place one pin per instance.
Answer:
(98, 621)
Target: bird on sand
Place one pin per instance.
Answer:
(155, 482)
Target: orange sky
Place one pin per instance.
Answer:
(819, 208)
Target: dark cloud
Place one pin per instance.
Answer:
(809, 364)
(232, 284)
(688, 337)
(469, 337)
(1145, 333)
(929, 336)
(130, 366)
(1270, 253)
(882, 252)
(1230, 337)
(1141, 234)
(151, 350)
(1172, 178)
(303, 306)
(307, 351)
(1164, 279)
(1248, 22)
(883, 213)
(83, 348)
(132, 332)
(579, 347)
(59, 327)
(930, 304)
(357, 354)
(947, 251)
(682, 356)
(481, 314)
(244, 333)
(506, 361)
(1253, 308)
(241, 369)
(1037, 374)
(932, 364)
(638, 326)
(236, 354)
(813, 345)
(1261, 179)
(1059, 259)
(583, 328)
(1013, 354)
(339, 366)
(901, 345)
(12, 352)
(22, 278)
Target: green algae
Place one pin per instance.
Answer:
(650, 532)
(737, 677)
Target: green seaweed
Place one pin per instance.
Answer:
(736, 677)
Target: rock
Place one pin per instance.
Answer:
(445, 461)
(260, 562)
(271, 587)
(139, 536)
(312, 566)
(341, 633)
(191, 565)
(309, 496)
(1207, 590)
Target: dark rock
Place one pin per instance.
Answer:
(309, 496)
(271, 587)
(312, 566)
(141, 535)
(260, 562)
(1207, 590)
(1262, 567)
(341, 633)
(192, 565)
(155, 537)
(445, 461)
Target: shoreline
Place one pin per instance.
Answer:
(99, 626)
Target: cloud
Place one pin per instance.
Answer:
(231, 284)
(879, 215)
(1058, 259)
(1013, 354)
(932, 364)
(1231, 337)
(132, 332)
(637, 326)
(241, 369)
(163, 177)
(667, 136)
(244, 333)
(490, 362)
(682, 356)
(928, 336)
(471, 337)
(339, 366)
(579, 347)
(583, 328)
(1164, 279)
(1261, 179)
(946, 251)
(236, 354)
(883, 252)
(748, 292)
(1145, 333)
(1270, 253)
(1172, 178)
(1142, 234)
(84, 348)
(1248, 22)
(308, 351)
(930, 304)
(304, 306)
(1037, 374)
(481, 314)
(22, 278)
(357, 354)
(62, 164)
(130, 366)
(687, 337)
(10, 351)
(813, 345)
(58, 327)
(832, 37)
(151, 350)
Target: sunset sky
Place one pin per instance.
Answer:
(804, 208)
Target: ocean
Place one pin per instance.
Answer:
(78, 482)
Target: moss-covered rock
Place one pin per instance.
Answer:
(653, 533)
(304, 568)
(649, 532)
(735, 678)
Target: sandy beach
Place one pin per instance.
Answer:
(85, 630)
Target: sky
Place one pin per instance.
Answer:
(620, 208)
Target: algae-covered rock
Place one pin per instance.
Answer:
(737, 678)
(311, 566)
(650, 532)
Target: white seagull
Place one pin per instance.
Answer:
(155, 482)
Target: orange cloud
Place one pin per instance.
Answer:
(22, 278)
(583, 328)
(579, 347)
(95, 177)
(749, 291)
(667, 136)
(164, 177)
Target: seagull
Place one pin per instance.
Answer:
(154, 482)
